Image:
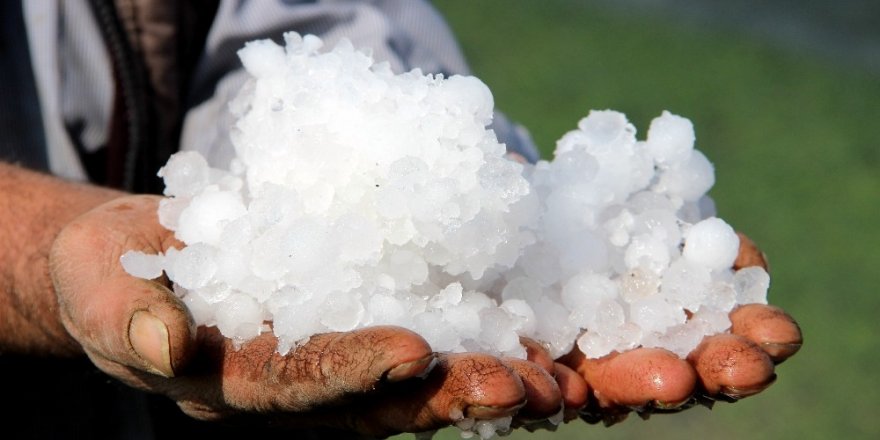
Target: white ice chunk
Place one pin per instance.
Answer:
(655, 314)
(203, 220)
(711, 243)
(670, 138)
(686, 284)
(142, 265)
(185, 174)
(194, 266)
(751, 284)
(261, 57)
(638, 283)
(602, 127)
(526, 321)
(647, 251)
(360, 197)
(240, 318)
(595, 345)
(583, 294)
(341, 313)
(689, 179)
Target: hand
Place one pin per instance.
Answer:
(723, 367)
(365, 380)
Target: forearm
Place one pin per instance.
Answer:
(33, 209)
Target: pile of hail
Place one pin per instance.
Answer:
(360, 197)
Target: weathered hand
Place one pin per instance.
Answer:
(723, 367)
(365, 380)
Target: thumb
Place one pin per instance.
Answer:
(116, 317)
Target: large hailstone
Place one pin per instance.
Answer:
(360, 197)
(356, 197)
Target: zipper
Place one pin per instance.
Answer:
(129, 74)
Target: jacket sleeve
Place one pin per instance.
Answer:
(405, 33)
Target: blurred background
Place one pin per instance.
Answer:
(785, 99)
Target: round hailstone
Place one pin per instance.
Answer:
(583, 293)
(573, 166)
(498, 332)
(203, 220)
(670, 139)
(523, 314)
(437, 331)
(604, 127)
(193, 267)
(341, 313)
(240, 318)
(689, 179)
(711, 243)
(185, 174)
(595, 345)
(647, 251)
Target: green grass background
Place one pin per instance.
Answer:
(794, 139)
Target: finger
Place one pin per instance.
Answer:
(573, 388)
(460, 388)
(543, 397)
(731, 366)
(117, 318)
(749, 254)
(330, 368)
(770, 327)
(636, 379)
(535, 352)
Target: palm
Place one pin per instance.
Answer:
(366, 380)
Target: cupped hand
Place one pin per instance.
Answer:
(723, 367)
(376, 381)
(380, 380)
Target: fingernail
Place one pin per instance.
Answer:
(670, 406)
(149, 338)
(417, 368)
(780, 351)
(491, 412)
(746, 391)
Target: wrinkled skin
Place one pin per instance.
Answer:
(376, 381)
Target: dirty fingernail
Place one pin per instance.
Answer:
(417, 368)
(737, 393)
(149, 338)
(671, 406)
(779, 351)
(491, 412)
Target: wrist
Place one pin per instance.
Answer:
(33, 210)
